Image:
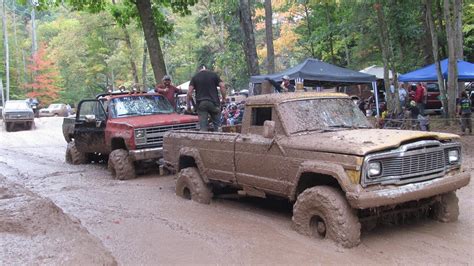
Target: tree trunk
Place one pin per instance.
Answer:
(393, 102)
(269, 37)
(310, 28)
(7, 54)
(427, 42)
(151, 36)
(145, 51)
(331, 44)
(450, 17)
(133, 65)
(434, 40)
(441, 29)
(249, 38)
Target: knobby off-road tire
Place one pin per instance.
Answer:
(447, 209)
(73, 156)
(191, 186)
(121, 165)
(323, 212)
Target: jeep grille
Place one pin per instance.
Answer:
(154, 135)
(412, 162)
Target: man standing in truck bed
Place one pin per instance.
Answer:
(205, 82)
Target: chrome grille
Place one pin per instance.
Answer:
(154, 135)
(412, 162)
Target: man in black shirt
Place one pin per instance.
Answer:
(205, 82)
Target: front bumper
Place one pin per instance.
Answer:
(145, 154)
(391, 195)
(19, 120)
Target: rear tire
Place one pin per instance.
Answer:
(447, 209)
(120, 165)
(73, 156)
(191, 186)
(323, 212)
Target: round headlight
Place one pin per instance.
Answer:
(375, 168)
(140, 133)
(453, 156)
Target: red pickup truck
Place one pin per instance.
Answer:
(125, 128)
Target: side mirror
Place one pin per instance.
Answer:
(269, 129)
(90, 118)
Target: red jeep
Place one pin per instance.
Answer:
(126, 128)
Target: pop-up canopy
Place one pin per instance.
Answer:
(428, 73)
(317, 73)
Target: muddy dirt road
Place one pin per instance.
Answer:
(141, 221)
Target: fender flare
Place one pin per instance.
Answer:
(326, 168)
(194, 153)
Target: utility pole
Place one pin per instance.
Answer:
(34, 45)
(7, 55)
(1, 90)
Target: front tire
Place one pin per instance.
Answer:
(323, 212)
(191, 186)
(73, 156)
(446, 210)
(121, 165)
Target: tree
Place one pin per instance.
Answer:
(434, 40)
(44, 83)
(393, 101)
(250, 49)
(269, 37)
(451, 14)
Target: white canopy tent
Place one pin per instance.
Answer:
(376, 71)
(184, 86)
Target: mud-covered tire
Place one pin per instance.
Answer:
(191, 186)
(120, 165)
(8, 126)
(323, 212)
(73, 156)
(446, 210)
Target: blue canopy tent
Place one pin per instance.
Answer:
(428, 73)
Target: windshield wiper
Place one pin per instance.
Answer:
(347, 126)
(128, 114)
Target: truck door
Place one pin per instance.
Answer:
(89, 129)
(260, 162)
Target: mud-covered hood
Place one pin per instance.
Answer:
(360, 141)
(155, 120)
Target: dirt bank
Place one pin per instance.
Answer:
(35, 230)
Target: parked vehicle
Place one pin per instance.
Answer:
(17, 113)
(54, 109)
(126, 128)
(319, 151)
(434, 101)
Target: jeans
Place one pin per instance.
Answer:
(206, 109)
(421, 107)
(466, 123)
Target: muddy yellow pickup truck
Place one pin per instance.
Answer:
(319, 151)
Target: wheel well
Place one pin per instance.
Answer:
(118, 143)
(186, 161)
(308, 180)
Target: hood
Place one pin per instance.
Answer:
(155, 120)
(360, 141)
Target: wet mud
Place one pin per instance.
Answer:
(142, 221)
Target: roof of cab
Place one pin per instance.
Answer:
(276, 98)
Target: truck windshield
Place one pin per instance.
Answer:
(140, 105)
(321, 114)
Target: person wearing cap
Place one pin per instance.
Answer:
(168, 90)
(286, 85)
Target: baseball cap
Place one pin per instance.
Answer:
(166, 77)
(286, 77)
